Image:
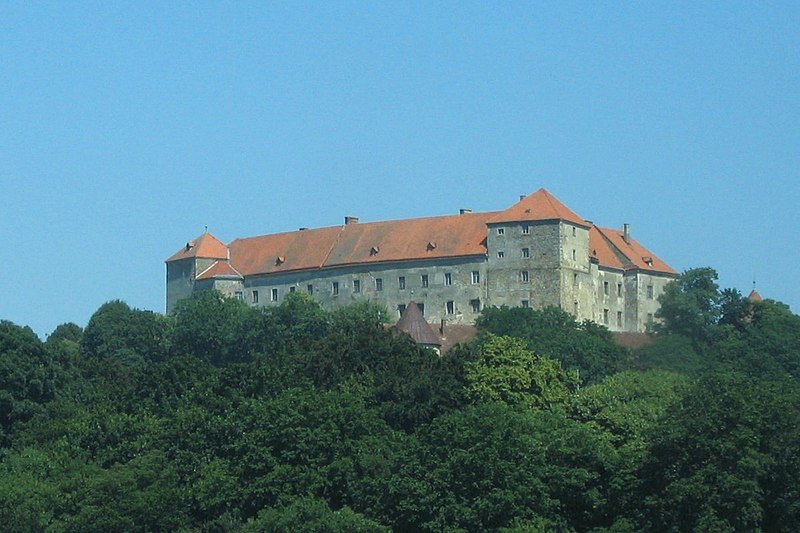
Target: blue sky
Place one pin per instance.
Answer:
(125, 128)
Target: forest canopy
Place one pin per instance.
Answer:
(224, 417)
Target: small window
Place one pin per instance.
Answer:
(574, 255)
(605, 316)
(421, 308)
(335, 288)
(619, 319)
(310, 289)
(475, 305)
(401, 282)
(239, 295)
(649, 318)
(575, 308)
(573, 231)
(448, 278)
(450, 307)
(274, 295)
(378, 284)
(526, 229)
(526, 252)
(424, 280)
(649, 292)
(476, 277)
(500, 254)
(619, 289)
(501, 231)
(525, 276)
(356, 285)
(526, 303)
(574, 280)
(292, 288)
(605, 288)
(255, 297)
(401, 308)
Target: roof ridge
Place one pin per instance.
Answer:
(627, 262)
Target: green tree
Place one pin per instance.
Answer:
(690, 304)
(115, 331)
(211, 327)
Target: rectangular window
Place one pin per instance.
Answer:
(619, 319)
(378, 284)
(649, 318)
(421, 308)
(401, 282)
(526, 252)
(239, 295)
(500, 254)
(501, 231)
(356, 285)
(335, 288)
(605, 288)
(573, 255)
(573, 231)
(476, 277)
(526, 303)
(448, 278)
(526, 229)
(649, 292)
(605, 316)
(310, 289)
(525, 276)
(619, 289)
(450, 307)
(574, 280)
(274, 295)
(475, 305)
(292, 288)
(255, 297)
(401, 308)
(424, 280)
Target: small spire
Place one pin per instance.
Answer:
(206, 228)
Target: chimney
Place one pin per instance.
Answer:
(302, 229)
(350, 220)
(626, 233)
(464, 211)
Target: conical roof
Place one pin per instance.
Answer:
(206, 246)
(540, 205)
(413, 323)
(754, 296)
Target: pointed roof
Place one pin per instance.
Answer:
(540, 205)
(220, 269)
(206, 246)
(413, 323)
(754, 296)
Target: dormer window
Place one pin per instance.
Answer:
(431, 246)
(374, 251)
(280, 260)
(648, 260)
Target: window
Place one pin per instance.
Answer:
(526, 252)
(605, 288)
(619, 289)
(619, 319)
(605, 316)
(525, 276)
(649, 318)
(448, 278)
(500, 254)
(574, 255)
(401, 308)
(239, 295)
(475, 305)
(526, 229)
(356, 285)
(649, 292)
(292, 288)
(573, 231)
(450, 307)
(575, 308)
(310, 289)
(476, 277)
(574, 280)
(401, 281)
(526, 303)
(335, 288)
(274, 295)
(421, 308)
(501, 231)
(379, 284)
(424, 280)
(255, 297)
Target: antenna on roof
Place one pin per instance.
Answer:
(206, 228)
(754, 281)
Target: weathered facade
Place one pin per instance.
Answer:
(536, 253)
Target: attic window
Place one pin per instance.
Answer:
(527, 210)
(431, 246)
(648, 260)
(374, 251)
(189, 245)
(280, 260)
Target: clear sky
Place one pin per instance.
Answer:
(125, 128)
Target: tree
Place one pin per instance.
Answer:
(690, 304)
(115, 331)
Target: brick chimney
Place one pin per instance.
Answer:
(626, 233)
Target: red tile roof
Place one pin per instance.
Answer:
(754, 296)
(630, 254)
(206, 246)
(220, 269)
(414, 324)
(540, 205)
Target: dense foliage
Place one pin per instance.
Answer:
(222, 417)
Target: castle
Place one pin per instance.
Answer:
(536, 253)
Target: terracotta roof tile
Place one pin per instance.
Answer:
(414, 324)
(206, 246)
(299, 250)
(637, 255)
(540, 205)
(220, 269)
(754, 296)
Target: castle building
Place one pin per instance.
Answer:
(536, 253)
